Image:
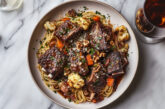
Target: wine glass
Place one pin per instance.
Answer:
(149, 21)
(8, 5)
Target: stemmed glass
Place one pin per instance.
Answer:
(8, 5)
(149, 21)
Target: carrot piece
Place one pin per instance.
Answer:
(110, 81)
(89, 60)
(96, 18)
(59, 44)
(80, 54)
(64, 19)
(94, 100)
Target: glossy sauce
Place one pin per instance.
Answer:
(155, 12)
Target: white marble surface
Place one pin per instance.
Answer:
(18, 91)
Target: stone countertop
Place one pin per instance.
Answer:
(18, 91)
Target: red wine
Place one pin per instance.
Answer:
(155, 12)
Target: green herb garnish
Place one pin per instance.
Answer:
(46, 44)
(67, 30)
(85, 8)
(97, 12)
(55, 92)
(61, 33)
(42, 46)
(99, 38)
(97, 45)
(79, 14)
(113, 47)
(92, 51)
(69, 100)
(59, 80)
(52, 58)
(83, 60)
(127, 55)
(40, 42)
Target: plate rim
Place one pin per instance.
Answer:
(70, 1)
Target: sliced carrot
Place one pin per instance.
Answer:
(80, 54)
(89, 60)
(94, 100)
(59, 44)
(96, 18)
(64, 19)
(110, 81)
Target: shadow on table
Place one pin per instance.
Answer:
(136, 83)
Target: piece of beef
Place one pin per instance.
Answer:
(100, 36)
(67, 30)
(72, 13)
(78, 63)
(97, 85)
(113, 63)
(97, 79)
(53, 62)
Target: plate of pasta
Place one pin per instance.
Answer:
(83, 54)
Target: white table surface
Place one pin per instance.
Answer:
(18, 91)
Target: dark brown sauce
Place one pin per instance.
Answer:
(155, 12)
(117, 82)
(62, 94)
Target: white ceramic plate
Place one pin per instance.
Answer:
(116, 19)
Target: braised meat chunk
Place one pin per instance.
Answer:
(97, 79)
(78, 63)
(113, 63)
(100, 36)
(98, 83)
(67, 30)
(53, 61)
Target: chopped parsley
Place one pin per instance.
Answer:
(61, 33)
(60, 62)
(59, 80)
(85, 8)
(40, 42)
(108, 16)
(79, 14)
(83, 60)
(92, 51)
(67, 30)
(127, 55)
(52, 58)
(46, 44)
(55, 92)
(42, 46)
(104, 16)
(97, 12)
(99, 38)
(113, 47)
(69, 100)
(97, 45)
